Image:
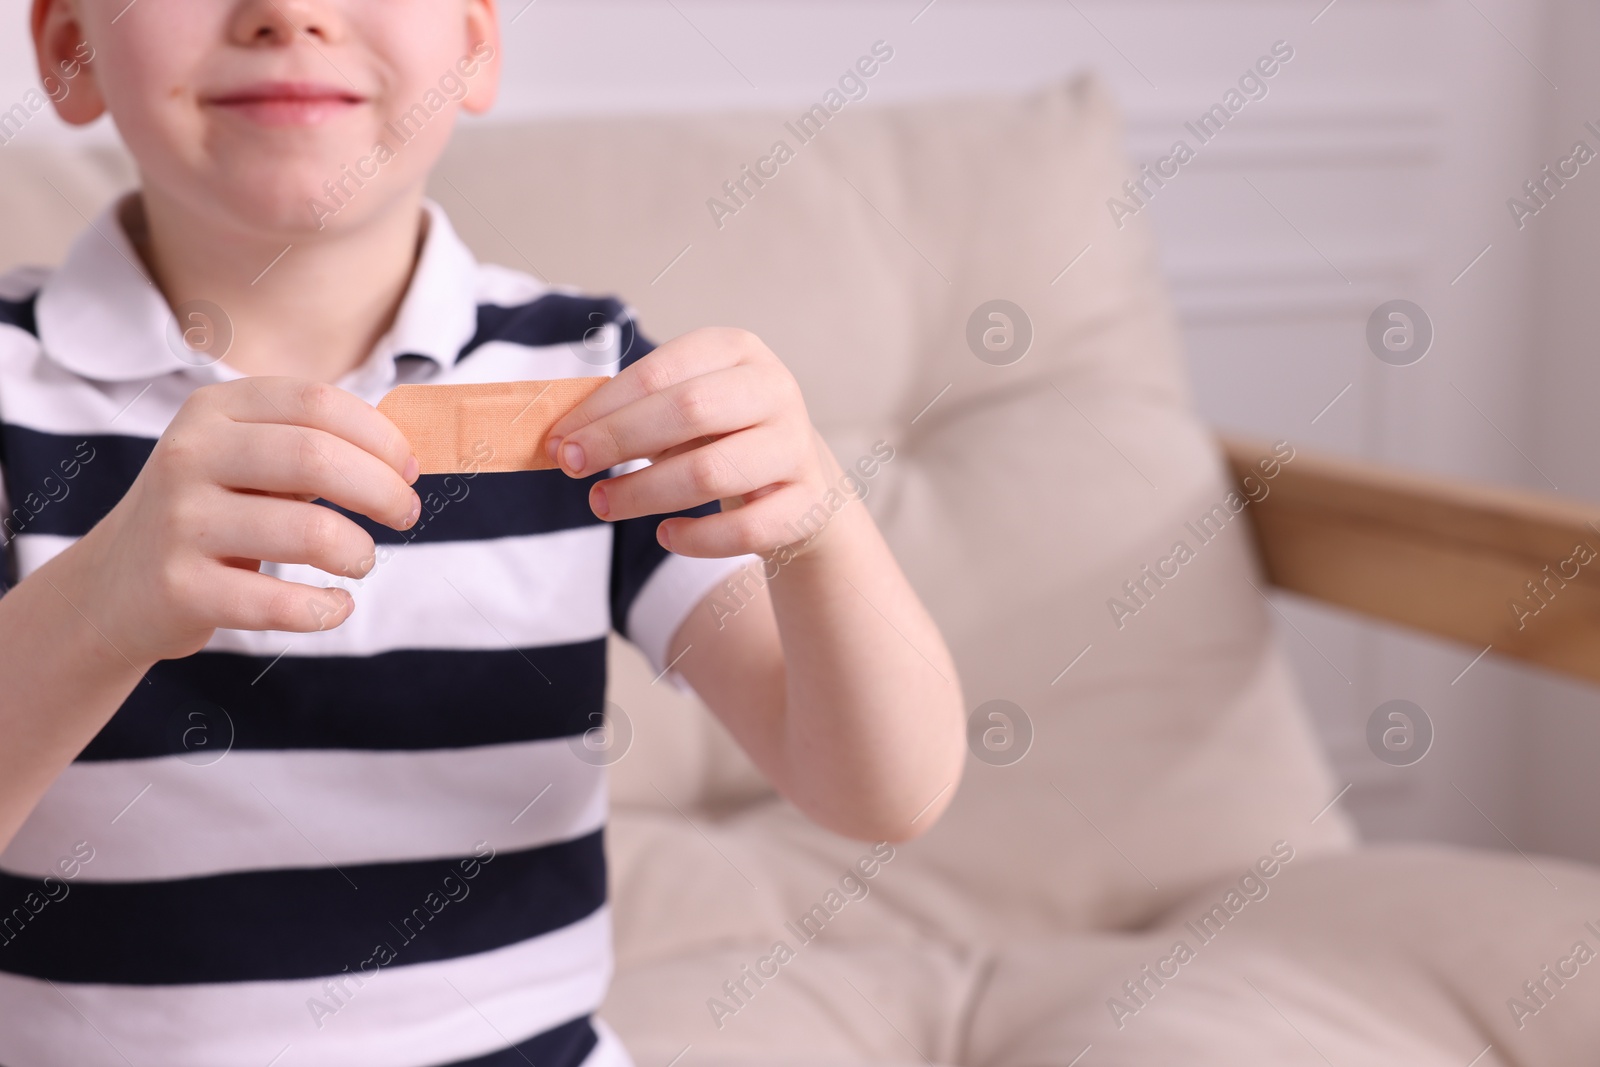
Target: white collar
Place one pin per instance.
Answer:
(99, 315)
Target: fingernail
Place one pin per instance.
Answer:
(413, 469)
(416, 511)
(597, 499)
(572, 455)
(550, 447)
(664, 537)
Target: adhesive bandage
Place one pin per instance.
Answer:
(492, 426)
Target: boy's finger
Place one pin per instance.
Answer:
(289, 531)
(691, 411)
(732, 466)
(300, 460)
(317, 405)
(249, 600)
(699, 352)
(761, 526)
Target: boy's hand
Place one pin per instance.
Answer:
(848, 702)
(229, 486)
(720, 417)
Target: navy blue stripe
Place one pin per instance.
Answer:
(459, 507)
(202, 705)
(21, 313)
(455, 507)
(635, 555)
(567, 1045)
(553, 319)
(65, 483)
(285, 924)
(636, 552)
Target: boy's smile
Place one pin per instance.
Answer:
(285, 103)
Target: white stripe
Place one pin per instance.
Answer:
(404, 1016)
(506, 361)
(40, 396)
(674, 589)
(521, 592)
(263, 810)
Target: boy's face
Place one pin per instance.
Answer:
(275, 115)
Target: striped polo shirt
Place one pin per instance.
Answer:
(380, 844)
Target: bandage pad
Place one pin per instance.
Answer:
(492, 426)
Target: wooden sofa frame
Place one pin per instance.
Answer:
(1506, 571)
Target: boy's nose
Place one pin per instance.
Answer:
(279, 22)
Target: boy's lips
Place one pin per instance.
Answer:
(287, 103)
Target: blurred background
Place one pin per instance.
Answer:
(1377, 167)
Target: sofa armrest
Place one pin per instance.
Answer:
(1516, 571)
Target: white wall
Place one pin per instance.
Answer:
(1558, 720)
(1378, 167)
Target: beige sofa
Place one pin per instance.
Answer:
(1153, 781)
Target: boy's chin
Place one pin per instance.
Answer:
(297, 208)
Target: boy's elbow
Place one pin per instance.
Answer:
(922, 821)
(899, 795)
(899, 831)
(895, 819)
(941, 777)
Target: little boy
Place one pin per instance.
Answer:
(251, 818)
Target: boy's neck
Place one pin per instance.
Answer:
(304, 310)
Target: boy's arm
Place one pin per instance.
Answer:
(61, 679)
(835, 680)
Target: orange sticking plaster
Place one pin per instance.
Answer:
(493, 426)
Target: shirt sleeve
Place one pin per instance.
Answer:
(653, 590)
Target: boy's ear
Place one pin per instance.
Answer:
(66, 60)
(483, 44)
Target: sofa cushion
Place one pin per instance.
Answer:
(1393, 957)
